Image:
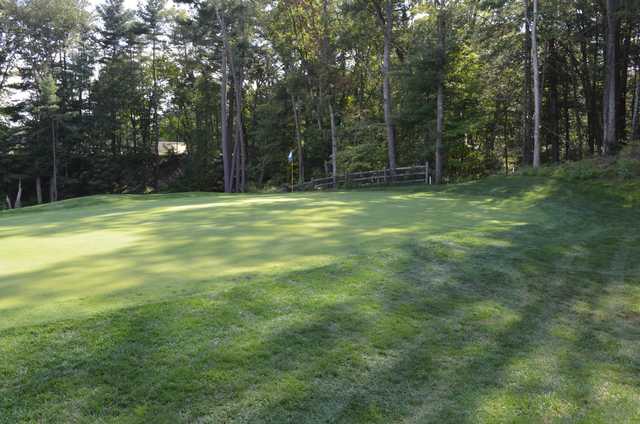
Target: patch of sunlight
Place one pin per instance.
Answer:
(608, 392)
(387, 231)
(248, 201)
(532, 385)
(430, 197)
(565, 332)
(20, 254)
(490, 315)
(512, 406)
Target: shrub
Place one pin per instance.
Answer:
(627, 168)
(581, 170)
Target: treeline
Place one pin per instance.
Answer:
(472, 86)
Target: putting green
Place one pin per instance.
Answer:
(87, 255)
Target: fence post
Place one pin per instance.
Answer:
(426, 172)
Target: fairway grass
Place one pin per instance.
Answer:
(508, 300)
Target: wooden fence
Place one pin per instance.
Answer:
(407, 175)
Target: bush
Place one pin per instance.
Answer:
(627, 168)
(581, 170)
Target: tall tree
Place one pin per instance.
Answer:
(527, 141)
(387, 21)
(48, 108)
(224, 114)
(152, 19)
(610, 137)
(537, 94)
(441, 64)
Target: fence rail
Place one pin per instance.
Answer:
(406, 175)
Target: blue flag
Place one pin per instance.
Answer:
(290, 157)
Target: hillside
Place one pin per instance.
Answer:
(506, 300)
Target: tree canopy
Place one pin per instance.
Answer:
(473, 87)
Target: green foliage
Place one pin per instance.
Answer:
(581, 170)
(132, 77)
(627, 168)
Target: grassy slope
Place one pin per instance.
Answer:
(510, 300)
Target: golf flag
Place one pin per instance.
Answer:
(290, 157)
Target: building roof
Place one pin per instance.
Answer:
(166, 147)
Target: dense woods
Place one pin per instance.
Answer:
(474, 87)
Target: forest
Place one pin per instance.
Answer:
(91, 92)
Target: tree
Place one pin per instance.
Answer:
(441, 63)
(537, 95)
(610, 138)
(387, 22)
(152, 20)
(48, 108)
(11, 40)
(527, 140)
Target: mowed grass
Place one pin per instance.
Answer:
(509, 300)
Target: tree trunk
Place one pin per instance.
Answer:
(334, 146)
(224, 130)
(386, 86)
(622, 57)
(635, 124)
(440, 95)
(588, 87)
(156, 125)
(239, 156)
(53, 192)
(296, 120)
(537, 101)
(8, 200)
(39, 190)
(527, 141)
(578, 119)
(610, 137)
(567, 121)
(553, 119)
(18, 203)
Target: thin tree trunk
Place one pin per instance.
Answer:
(334, 146)
(54, 177)
(578, 119)
(610, 137)
(537, 101)
(527, 147)
(8, 200)
(156, 125)
(635, 124)
(567, 121)
(590, 99)
(18, 203)
(235, 166)
(552, 126)
(224, 130)
(386, 86)
(38, 189)
(440, 95)
(622, 56)
(237, 89)
(298, 141)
